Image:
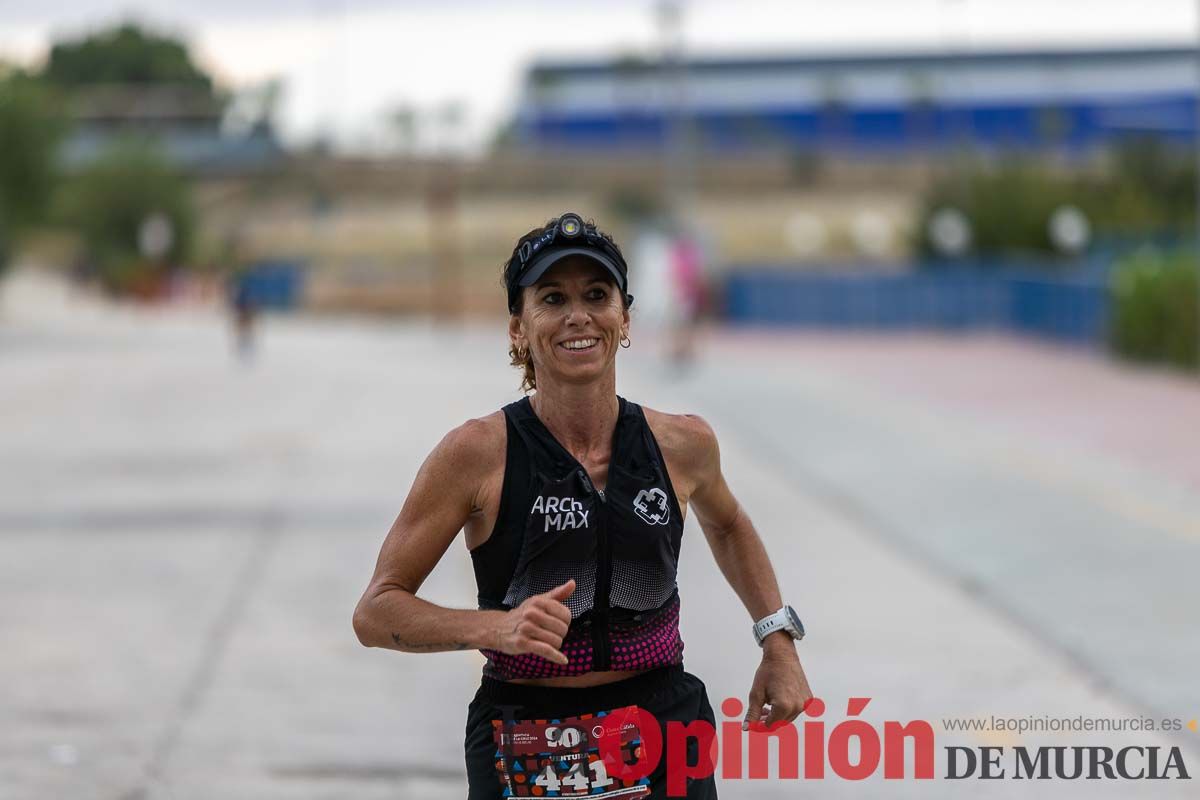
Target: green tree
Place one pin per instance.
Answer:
(1151, 188)
(109, 202)
(31, 128)
(1009, 208)
(124, 54)
(1148, 189)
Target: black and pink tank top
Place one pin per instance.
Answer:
(621, 545)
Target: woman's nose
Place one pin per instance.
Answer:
(576, 314)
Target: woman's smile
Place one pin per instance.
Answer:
(580, 345)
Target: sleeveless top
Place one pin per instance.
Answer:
(621, 545)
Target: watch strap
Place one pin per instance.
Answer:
(769, 624)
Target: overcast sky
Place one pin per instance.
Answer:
(345, 63)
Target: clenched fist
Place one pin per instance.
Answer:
(538, 625)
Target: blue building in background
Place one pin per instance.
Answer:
(1070, 101)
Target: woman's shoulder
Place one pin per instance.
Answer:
(478, 442)
(687, 437)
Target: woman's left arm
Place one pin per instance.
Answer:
(742, 558)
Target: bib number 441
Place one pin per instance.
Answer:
(575, 779)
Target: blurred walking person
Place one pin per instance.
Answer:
(686, 270)
(244, 308)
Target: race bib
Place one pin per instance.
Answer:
(562, 757)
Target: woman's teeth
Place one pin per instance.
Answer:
(579, 344)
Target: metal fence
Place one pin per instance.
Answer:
(1065, 308)
(275, 284)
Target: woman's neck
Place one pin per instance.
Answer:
(581, 416)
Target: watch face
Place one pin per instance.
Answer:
(795, 619)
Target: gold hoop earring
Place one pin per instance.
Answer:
(522, 353)
(625, 340)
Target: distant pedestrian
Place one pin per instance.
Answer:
(686, 269)
(245, 311)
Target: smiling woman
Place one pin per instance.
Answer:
(572, 500)
(575, 264)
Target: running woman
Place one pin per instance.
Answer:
(572, 500)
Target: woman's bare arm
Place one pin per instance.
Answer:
(736, 546)
(742, 559)
(442, 497)
(444, 494)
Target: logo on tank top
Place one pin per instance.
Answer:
(560, 513)
(651, 506)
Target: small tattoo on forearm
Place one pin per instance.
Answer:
(430, 646)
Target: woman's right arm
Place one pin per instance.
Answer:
(446, 491)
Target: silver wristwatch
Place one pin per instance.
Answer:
(785, 619)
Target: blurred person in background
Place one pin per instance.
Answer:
(686, 264)
(670, 278)
(572, 500)
(245, 311)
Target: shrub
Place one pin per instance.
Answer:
(110, 200)
(1147, 189)
(1154, 310)
(1009, 208)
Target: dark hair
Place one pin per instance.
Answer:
(523, 360)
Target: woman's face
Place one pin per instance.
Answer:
(575, 303)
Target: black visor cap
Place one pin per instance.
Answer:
(554, 255)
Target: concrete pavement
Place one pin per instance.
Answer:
(183, 538)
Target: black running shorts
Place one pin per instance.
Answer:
(551, 758)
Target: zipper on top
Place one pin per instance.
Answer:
(588, 485)
(601, 646)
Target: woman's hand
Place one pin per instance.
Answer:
(538, 625)
(778, 683)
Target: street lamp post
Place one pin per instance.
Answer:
(1196, 142)
(677, 140)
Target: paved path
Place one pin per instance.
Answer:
(183, 539)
